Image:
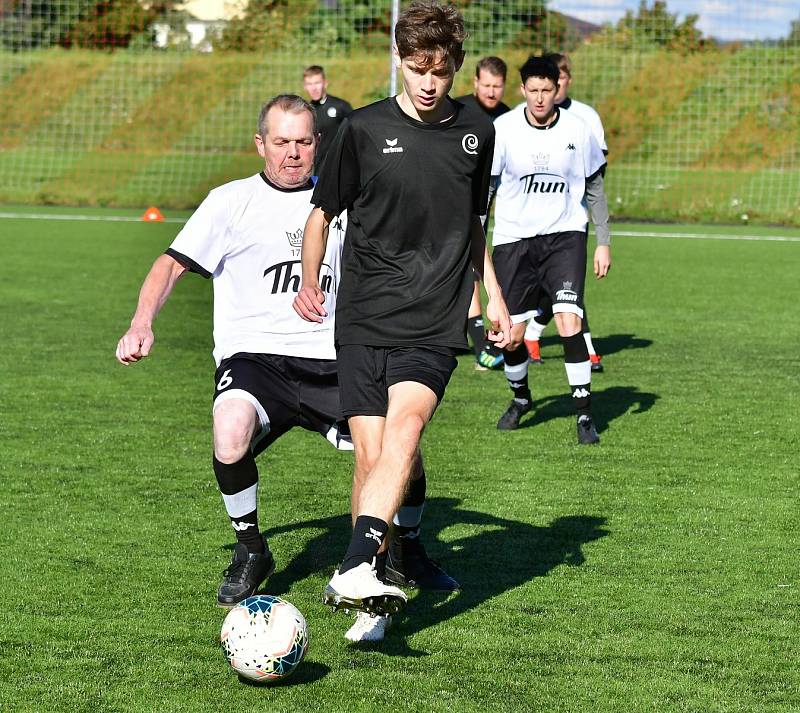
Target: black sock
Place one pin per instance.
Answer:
(238, 483)
(409, 514)
(477, 333)
(368, 535)
(516, 370)
(579, 372)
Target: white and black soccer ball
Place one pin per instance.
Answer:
(264, 638)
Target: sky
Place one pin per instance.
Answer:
(723, 19)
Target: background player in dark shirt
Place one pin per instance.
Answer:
(413, 173)
(330, 110)
(489, 85)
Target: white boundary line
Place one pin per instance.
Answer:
(705, 236)
(614, 233)
(78, 216)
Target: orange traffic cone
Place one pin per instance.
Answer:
(153, 215)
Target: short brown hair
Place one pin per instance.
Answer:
(494, 65)
(313, 71)
(561, 61)
(285, 102)
(427, 28)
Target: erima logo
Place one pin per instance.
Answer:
(470, 144)
(580, 393)
(392, 147)
(538, 183)
(286, 277)
(566, 296)
(295, 238)
(239, 526)
(570, 147)
(374, 534)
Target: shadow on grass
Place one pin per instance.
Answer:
(607, 405)
(501, 555)
(308, 672)
(610, 344)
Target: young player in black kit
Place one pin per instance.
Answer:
(413, 173)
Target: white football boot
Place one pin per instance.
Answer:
(360, 589)
(368, 627)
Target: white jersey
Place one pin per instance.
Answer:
(590, 116)
(247, 236)
(542, 175)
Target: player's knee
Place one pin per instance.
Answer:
(233, 432)
(568, 323)
(407, 431)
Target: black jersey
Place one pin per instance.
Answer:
(499, 110)
(330, 113)
(410, 189)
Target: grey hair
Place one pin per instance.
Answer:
(287, 102)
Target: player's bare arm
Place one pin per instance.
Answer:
(496, 310)
(310, 300)
(136, 343)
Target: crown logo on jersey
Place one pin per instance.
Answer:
(567, 285)
(295, 238)
(541, 160)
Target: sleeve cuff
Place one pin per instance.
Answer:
(188, 263)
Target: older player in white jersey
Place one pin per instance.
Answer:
(547, 166)
(536, 326)
(274, 370)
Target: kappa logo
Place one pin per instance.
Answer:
(374, 534)
(392, 147)
(580, 393)
(570, 147)
(337, 224)
(295, 238)
(239, 526)
(470, 144)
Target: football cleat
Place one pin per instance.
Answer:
(245, 574)
(534, 352)
(597, 364)
(368, 627)
(361, 590)
(510, 419)
(408, 564)
(587, 434)
(491, 359)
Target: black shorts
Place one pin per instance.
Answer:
(366, 373)
(548, 266)
(286, 392)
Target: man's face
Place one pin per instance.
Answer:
(489, 89)
(427, 85)
(287, 147)
(563, 86)
(540, 97)
(315, 85)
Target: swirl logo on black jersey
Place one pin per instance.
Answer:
(470, 144)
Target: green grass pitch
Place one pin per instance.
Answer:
(656, 572)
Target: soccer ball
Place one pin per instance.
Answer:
(264, 638)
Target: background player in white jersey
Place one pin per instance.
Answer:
(413, 173)
(275, 371)
(546, 162)
(544, 313)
